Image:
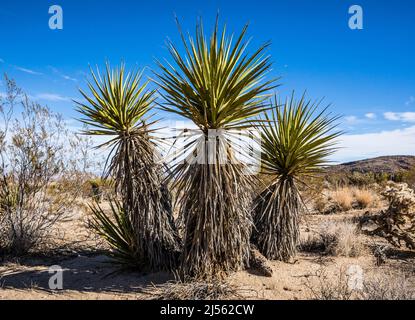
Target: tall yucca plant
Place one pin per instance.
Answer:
(118, 107)
(218, 86)
(295, 141)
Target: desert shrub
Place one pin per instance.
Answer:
(397, 223)
(409, 177)
(365, 198)
(388, 286)
(312, 242)
(342, 197)
(335, 238)
(98, 188)
(322, 287)
(320, 203)
(360, 179)
(341, 286)
(34, 160)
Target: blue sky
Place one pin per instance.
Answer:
(367, 75)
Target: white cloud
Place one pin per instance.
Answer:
(368, 145)
(28, 71)
(370, 115)
(400, 116)
(51, 97)
(350, 119)
(410, 101)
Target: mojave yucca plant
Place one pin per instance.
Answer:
(219, 87)
(295, 142)
(118, 107)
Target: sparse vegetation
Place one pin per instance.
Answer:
(365, 198)
(36, 151)
(337, 239)
(378, 286)
(343, 198)
(322, 287)
(388, 286)
(200, 217)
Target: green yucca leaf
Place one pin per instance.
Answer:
(117, 229)
(296, 139)
(217, 84)
(117, 102)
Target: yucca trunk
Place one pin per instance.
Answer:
(276, 219)
(147, 202)
(216, 218)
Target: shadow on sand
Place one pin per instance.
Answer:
(93, 273)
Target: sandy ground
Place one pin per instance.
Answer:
(89, 275)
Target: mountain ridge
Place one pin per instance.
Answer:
(382, 164)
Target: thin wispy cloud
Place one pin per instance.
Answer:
(29, 71)
(52, 97)
(69, 78)
(400, 116)
(410, 101)
(62, 75)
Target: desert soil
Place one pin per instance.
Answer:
(88, 273)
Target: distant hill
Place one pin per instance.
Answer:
(385, 164)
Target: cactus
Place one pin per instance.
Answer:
(397, 223)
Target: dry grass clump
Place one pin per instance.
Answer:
(342, 239)
(347, 198)
(199, 290)
(365, 198)
(343, 197)
(337, 239)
